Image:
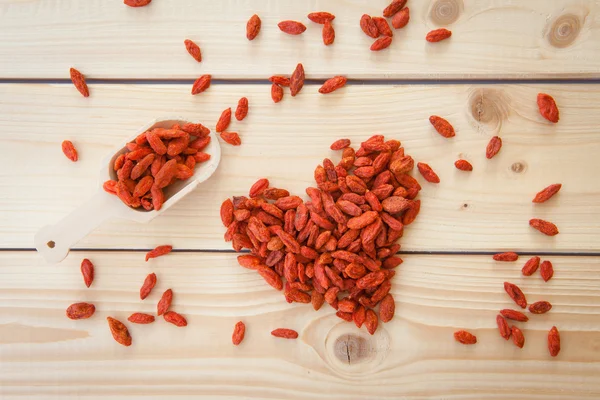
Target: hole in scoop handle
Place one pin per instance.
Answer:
(53, 242)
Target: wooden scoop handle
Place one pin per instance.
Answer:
(53, 242)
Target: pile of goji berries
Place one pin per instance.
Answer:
(155, 160)
(340, 246)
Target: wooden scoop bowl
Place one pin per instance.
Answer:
(53, 242)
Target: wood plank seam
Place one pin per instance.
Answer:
(309, 81)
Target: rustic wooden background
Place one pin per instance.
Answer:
(484, 79)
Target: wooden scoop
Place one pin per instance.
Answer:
(53, 242)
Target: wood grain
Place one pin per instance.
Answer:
(487, 209)
(491, 39)
(44, 353)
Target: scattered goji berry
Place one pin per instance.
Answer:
(119, 331)
(80, 310)
(69, 150)
(239, 331)
(253, 27)
(547, 228)
(201, 84)
(242, 109)
(548, 108)
(193, 49)
(175, 318)
(465, 337)
(141, 318)
(291, 27)
(87, 270)
(401, 18)
(333, 84)
(438, 35)
(79, 81)
(159, 251)
(285, 333)
(137, 3)
(321, 17)
(546, 193)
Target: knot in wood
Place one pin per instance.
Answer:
(445, 12)
(488, 109)
(564, 30)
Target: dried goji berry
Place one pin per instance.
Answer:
(368, 26)
(371, 321)
(148, 285)
(201, 84)
(393, 8)
(165, 302)
(137, 3)
(509, 256)
(540, 307)
(87, 270)
(141, 318)
(79, 81)
(159, 251)
(554, 341)
(285, 333)
(119, 331)
(224, 120)
(280, 80)
(328, 34)
(333, 84)
(546, 270)
(193, 49)
(516, 294)
(547, 228)
(465, 337)
(463, 165)
(382, 26)
(321, 17)
(253, 27)
(69, 150)
(518, 338)
(259, 187)
(503, 327)
(547, 107)
(546, 193)
(428, 173)
(493, 147)
(242, 109)
(531, 266)
(231, 138)
(514, 315)
(442, 126)
(387, 308)
(276, 93)
(291, 27)
(175, 318)
(80, 310)
(401, 18)
(438, 35)
(381, 43)
(297, 80)
(340, 144)
(110, 186)
(239, 331)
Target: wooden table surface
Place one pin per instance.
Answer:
(484, 80)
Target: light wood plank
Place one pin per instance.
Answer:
(415, 356)
(487, 209)
(491, 39)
